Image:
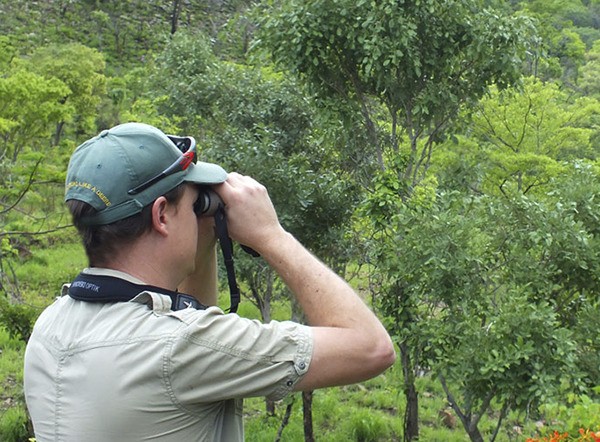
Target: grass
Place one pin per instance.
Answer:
(369, 411)
(46, 270)
(13, 415)
(11, 373)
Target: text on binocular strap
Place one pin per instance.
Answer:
(86, 286)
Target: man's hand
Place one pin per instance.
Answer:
(251, 217)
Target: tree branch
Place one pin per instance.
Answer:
(286, 418)
(503, 414)
(41, 232)
(24, 192)
(464, 418)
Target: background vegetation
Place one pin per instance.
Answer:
(442, 154)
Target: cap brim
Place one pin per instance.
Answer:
(205, 173)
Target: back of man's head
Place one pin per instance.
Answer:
(113, 179)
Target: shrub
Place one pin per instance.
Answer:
(17, 318)
(583, 412)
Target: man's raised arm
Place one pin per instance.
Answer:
(350, 343)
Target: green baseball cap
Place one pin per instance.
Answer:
(123, 169)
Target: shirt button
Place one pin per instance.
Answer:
(289, 383)
(301, 365)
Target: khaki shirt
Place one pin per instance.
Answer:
(135, 371)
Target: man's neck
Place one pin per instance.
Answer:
(146, 264)
(103, 271)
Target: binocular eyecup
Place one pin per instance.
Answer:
(207, 203)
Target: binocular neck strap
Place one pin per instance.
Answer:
(109, 289)
(227, 249)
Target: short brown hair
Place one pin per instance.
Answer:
(103, 242)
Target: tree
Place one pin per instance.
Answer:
(408, 68)
(81, 70)
(501, 283)
(419, 62)
(30, 107)
(573, 11)
(589, 81)
(260, 122)
(519, 139)
(561, 50)
(39, 93)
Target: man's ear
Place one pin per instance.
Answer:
(160, 215)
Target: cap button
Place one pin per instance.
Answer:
(104, 133)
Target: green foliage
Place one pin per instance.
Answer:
(587, 336)
(521, 356)
(589, 81)
(37, 97)
(17, 318)
(498, 296)
(260, 123)
(13, 417)
(123, 30)
(512, 275)
(562, 11)
(7, 52)
(389, 48)
(519, 139)
(420, 61)
(31, 106)
(13, 425)
(81, 70)
(562, 26)
(583, 412)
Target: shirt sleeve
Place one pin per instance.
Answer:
(217, 357)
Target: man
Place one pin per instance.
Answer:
(120, 359)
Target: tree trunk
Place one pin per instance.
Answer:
(474, 434)
(175, 15)
(263, 302)
(270, 407)
(411, 414)
(58, 133)
(285, 420)
(307, 397)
